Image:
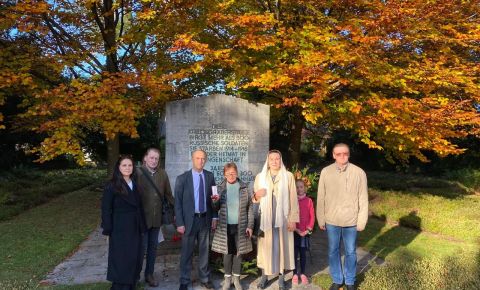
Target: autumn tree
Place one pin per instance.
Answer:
(114, 70)
(24, 72)
(402, 75)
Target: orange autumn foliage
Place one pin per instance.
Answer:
(402, 75)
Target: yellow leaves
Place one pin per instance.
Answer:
(385, 113)
(318, 34)
(356, 109)
(370, 143)
(112, 104)
(312, 116)
(249, 20)
(197, 67)
(257, 42)
(147, 14)
(269, 81)
(186, 41)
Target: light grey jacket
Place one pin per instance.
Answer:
(245, 220)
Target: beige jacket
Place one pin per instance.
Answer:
(342, 198)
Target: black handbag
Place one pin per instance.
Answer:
(167, 212)
(256, 225)
(167, 207)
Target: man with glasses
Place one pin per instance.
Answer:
(342, 210)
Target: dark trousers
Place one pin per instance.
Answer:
(200, 232)
(301, 245)
(232, 261)
(151, 242)
(300, 252)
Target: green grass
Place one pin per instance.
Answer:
(25, 188)
(400, 244)
(454, 218)
(426, 229)
(96, 286)
(420, 184)
(34, 242)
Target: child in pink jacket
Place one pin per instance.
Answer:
(303, 231)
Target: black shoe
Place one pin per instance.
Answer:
(262, 283)
(350, 287)
(183, 287)
(281, 282)
(335, 286)
(150, 280)
(208, 285)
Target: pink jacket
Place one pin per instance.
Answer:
(307, 214)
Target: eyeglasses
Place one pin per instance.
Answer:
(342, 154)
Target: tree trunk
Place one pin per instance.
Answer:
(109, 43)
(113, 151)
(298, 121)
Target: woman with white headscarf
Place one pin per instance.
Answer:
(276, 192)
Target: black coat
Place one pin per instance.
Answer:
(123, 220)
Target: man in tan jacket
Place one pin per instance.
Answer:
(342, 210)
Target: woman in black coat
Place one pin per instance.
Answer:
(123, 221)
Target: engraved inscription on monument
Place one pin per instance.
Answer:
(223, 146)
(229, 129)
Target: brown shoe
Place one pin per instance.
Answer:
(150, 280)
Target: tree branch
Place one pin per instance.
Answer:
(68, 38)
(122, 14)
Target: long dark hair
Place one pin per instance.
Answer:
(117, 181)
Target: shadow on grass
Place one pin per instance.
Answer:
(398, 236)
(394, 239)
(418, 185)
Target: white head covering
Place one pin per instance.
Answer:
(282, 202)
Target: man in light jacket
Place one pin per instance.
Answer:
(342, 210)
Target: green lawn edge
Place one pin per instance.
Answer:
(34, 242)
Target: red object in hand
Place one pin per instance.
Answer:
(176, 237)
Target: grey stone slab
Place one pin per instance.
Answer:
(227, 128)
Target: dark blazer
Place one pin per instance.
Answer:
(185, 200)
(123, 220)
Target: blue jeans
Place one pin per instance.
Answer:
(349, 237)
(151, 242)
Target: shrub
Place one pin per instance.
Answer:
(309, 178)
(466, 176)
(426, 273)
(23, 188)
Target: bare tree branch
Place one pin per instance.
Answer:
(57, 29)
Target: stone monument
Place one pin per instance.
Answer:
(229, 129)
